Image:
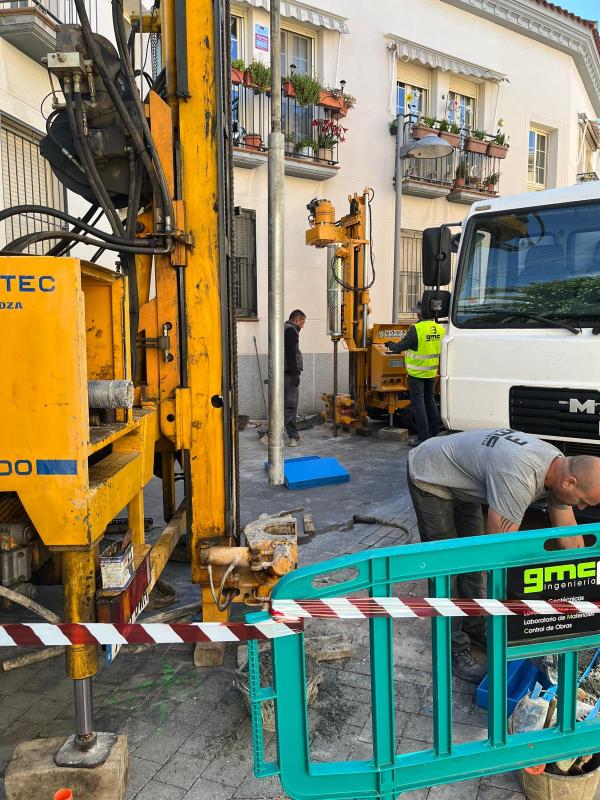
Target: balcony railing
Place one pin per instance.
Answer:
(586, 177)
(302, 127)
(30, 25)
(461, 177)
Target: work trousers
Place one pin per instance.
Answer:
(291, 393)
(439, 520)
(422, 401)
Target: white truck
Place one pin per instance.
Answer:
(522, 349)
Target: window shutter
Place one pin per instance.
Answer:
(414, 74)
(463, 86)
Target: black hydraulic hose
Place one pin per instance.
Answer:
(121, 37)
(135, 191)
(137, 139)
(62, 149)
(138, 244)
(63, 248)
(18, 245)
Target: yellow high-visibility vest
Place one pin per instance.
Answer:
(425, 361)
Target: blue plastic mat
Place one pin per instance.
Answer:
(305, 472)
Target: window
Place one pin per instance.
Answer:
(27, 178)
(461, 110)
(236, 37)
(245, 263)
(410, 100)
(537, 166)
(297, 50)
(411, 281)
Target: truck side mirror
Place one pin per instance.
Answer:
(437, 302)
(436, 265)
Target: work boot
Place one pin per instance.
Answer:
(464, 666)
(479, 638)
(414, 442)
(293, 442)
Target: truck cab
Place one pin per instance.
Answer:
(522, 349)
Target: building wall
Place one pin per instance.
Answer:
(544, 88)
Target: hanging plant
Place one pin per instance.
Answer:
(260, 75)
(307, 89)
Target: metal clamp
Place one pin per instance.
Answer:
(160, 342)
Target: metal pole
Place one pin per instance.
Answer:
(276, 286)
(335, 384)
(85, 737)
(397, 218)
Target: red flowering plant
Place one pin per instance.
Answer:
(329, 133)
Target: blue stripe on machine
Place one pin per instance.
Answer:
(56, 466)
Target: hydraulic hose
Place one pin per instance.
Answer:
(62, 249)
(18, 245)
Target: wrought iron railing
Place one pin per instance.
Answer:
(585, 177)
(305, 127)
(478, 172)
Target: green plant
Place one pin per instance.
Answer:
(238, 63)
(334, 91)
(290, 138)
(429, 122)
(454, 128)
(493, 179)
(349, 100)
(304, 142)
(461, 169)
(444, 126)
(260, 74)
(500, 139)
(329, 133)
(307, 88)
(477, 134)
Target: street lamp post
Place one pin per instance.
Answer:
(431, 146)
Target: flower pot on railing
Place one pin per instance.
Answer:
(497, 150)
(451, 138)
(288, 89)
(419, 131)
(325, 154)
(331, 100)
(247, 78)
(473, 145)
(253, 141)
(237, 75)
(459, 183)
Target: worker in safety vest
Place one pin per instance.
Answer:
(423, 345)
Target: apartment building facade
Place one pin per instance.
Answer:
(527, 64)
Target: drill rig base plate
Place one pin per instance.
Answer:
(70, 755)
(209, 654)
(32, 772)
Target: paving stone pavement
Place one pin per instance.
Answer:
(189, 729)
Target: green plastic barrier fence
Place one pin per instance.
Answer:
(387, 775)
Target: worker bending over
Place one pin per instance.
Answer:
(449, 478)
(423, 344)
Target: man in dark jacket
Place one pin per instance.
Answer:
(293, 366)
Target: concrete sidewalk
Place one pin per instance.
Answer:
(188, 728)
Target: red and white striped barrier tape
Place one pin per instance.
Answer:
(286, 621)
(45, 635)
(410, 607)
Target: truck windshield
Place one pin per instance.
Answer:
(543, 262)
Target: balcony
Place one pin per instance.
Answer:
(30, 25)
(302, 127)
(586, 177)
(463, 177)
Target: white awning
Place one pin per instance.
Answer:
(411, 51)
(302, 13)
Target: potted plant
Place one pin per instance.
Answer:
(290, 141)
(304, 148)
(258, 75)
(460, 174)
(237, 70)
(492, 181)
(498, 147)
(307, 89)
(424, 127)
(329, 133)
(349, 101)
(253, 141)
(475, 142)
(287, 88)
(446, 132)
(394, 128)
(331, 97)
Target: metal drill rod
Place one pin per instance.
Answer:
(85, 736)
(398, 218)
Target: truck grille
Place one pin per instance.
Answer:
(555, 412)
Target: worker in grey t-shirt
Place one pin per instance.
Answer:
(451, 476)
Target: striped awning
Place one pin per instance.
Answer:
(411, 51)
(302, 13)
